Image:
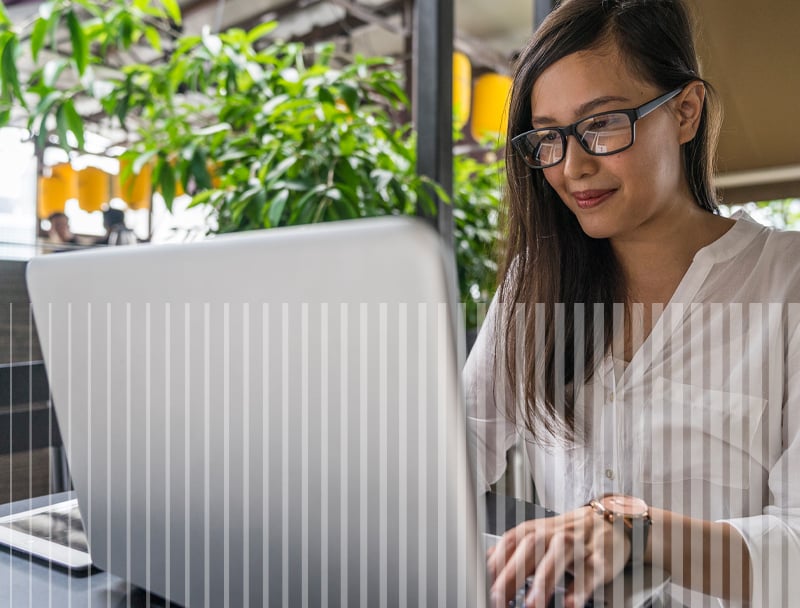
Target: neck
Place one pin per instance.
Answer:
(654, 260)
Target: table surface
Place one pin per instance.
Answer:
(27, 581)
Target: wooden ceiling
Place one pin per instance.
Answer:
(751, 54)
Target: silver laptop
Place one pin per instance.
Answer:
(269, 418)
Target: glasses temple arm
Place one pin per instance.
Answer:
(644, 110)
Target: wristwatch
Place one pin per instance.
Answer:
(635, 517)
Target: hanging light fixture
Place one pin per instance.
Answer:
(94, 189)
(135, 190)
(490, 106)
(56, 189)
(462, 89)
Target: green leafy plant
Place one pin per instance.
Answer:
(267, 137)
(781, 213)
(262, 132)
(47, 96)
(477, 194)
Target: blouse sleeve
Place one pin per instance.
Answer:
(490, 432)
(773, 538)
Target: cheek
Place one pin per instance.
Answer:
(635, 167)
(554, 177)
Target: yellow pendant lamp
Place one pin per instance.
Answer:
(94, 189)
(462, 89)
(490, 106)
(135, 190)
(56, 189)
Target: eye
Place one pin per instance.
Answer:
(598, 123)
(547, 137)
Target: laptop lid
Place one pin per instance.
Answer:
(268, 417)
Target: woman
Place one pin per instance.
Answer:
(645, 348)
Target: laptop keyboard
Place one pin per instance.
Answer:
(557, 601)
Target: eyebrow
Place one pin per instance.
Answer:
(583, 110)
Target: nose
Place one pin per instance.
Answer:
(577, 161)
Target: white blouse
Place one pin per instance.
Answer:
(704, 420)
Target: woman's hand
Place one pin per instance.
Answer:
(579, 542)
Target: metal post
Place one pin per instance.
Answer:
(432, 101)
(542, 8)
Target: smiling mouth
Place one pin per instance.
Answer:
(587, 199)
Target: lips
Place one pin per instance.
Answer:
(587, 199)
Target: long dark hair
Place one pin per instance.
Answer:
(569, 281)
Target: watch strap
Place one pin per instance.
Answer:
(638, 531)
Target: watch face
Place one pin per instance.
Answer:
(625, 506)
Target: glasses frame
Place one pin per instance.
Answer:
(520, 141)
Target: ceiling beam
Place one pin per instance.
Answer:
(481, 55)
(372, 16)
(277, 13)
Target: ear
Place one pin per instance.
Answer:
(690, 105)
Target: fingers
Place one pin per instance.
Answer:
(544, 551)
(561, 552)
(530, 547)
(497, 556)
(586, 580)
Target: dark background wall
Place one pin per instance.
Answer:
(27, 430)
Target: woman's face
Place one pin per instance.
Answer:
(625, 195)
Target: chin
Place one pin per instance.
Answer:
(596, 230)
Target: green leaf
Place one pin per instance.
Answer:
(176, 75)
(276, 207)
(91, 7)
(37, 37)
(73, 121)
(126, 30)
(173, 10)
(258, 32)
(202, 197)
(382, 179)
(47, 103)
(153, 37)
(199, 170)
(273, 103)
(345, 209)
(185, 44)
(213, 129)
(80, 48)
(142, 160)
(325, 96)
(48, 11)
(212, 43)
(5, 116)
(4, 18)
(350, 96)
(166, 182)
(41, 132)
(280, 169)
(10, 77)
(314, 192)
(61, 128)
(52, 71)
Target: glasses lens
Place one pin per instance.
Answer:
(541, 148)
(606, 133)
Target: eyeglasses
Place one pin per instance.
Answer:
(599, 134)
